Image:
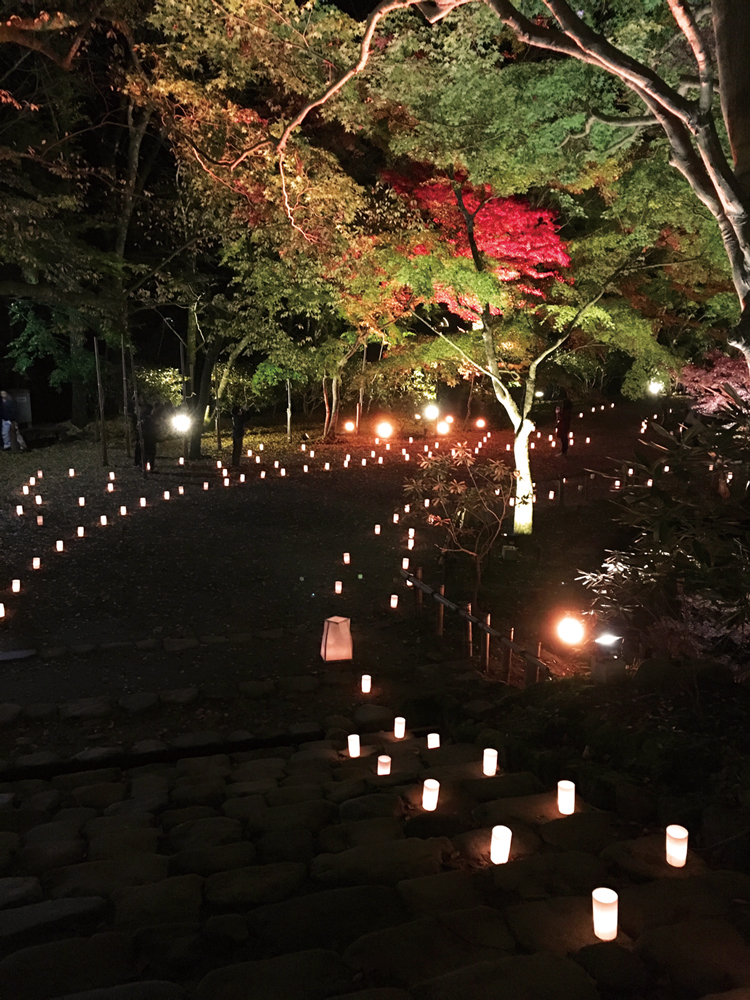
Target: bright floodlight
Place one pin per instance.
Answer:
(384, 430)
(443, 427)
(181, 423)
(607, 639)
(655, 387)
(481, 422)
(349, 425)
(539, 394)
(570, 630)
(431, 412)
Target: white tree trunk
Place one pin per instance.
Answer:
(523, 510)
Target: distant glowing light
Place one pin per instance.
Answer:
(349, 426)
(655, 387)
(384, 430)
(181, 423)
(570, 630)
(481, 422)
(431, 412)
(443, 427)
(539, 394)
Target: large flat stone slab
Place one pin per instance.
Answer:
(534, 810)
(173, 900)
(416, 951)
(570, 873)
(645, 857)
(23, 920)
(307, 975)
(702, 955)
(43, 971)
(210, 860)
(343, 836)
(104, 878)
(333, 918)
(254, 885)
(386, 863)
(561, 925)
(441, 893)
(146, 990)
(536, 977)
(669, 901)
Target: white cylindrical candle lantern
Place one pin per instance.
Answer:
(305, 468)
(103, 519)
(2, 610)
(364, 461)
(40, 474)
(395, 518)
(384, 764)
(219, 465)
(604, 907)
(71, 472)
(19, 510)
(275, 465)
(123, 511)
(337, 587)
(257, 459)
(166, 494)
(566, 797)
(38, 500)
(677, 845)
(394, 600)
(112, 476)
(39, 520)
(80, 532)
(205, 486)
(366, 683)
(25, 490)
(182, 460)
(411, 532)
(226, 482)
(262, 475)
(410, 544)
(433, 741)
(36, 563)
(327, 466)
(377, 529)
(142, 501)
(347, 558)
(59, 545)
(500, 844)
(15, 586)
(81, 501)
(181, 490)
(489, 762)
(353, 744)
(430, 794)
(399, 727)
(110, 487)
(405, 562)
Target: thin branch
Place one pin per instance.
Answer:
(634, 121)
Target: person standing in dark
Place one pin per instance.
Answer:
(9, 417)
(563, 415)
(239, 419)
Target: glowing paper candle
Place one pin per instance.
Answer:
(489, 762)
(405, 563)
(337, 639)
(205, 486)
(275, 465)
(80, 532)
(410, 544)
(312, 453)
(337, 587)
(103, 519)
(36, 563)
(394, 600)
(677, 845)
(2, 611)
(399, 727)
(327, 466)
(364, 461)
(566, 797)
(411, 532)
(353, 744)
(380, 460)
(39, 520)
(604, 907)
(347, 558)
(19, 510)
(40, 474)
(219, 465)
(110, 487)
(25, 490)
(304, 468)
(81, 501)
(430, 794)
(366, 683)
(59, 545)
(377, 528)
(15, 586)
(283, 472)
(257, 459)
(112, 476)
(242, 477)
(263, 475)
(433, 741)
(71, 472)
(226, 482)
(384, 764)
(261, 447)
(395, 518)
(123, 511)
(182, 461)
(32, 480)
(407, 508)
(500, 844)
(166, 494)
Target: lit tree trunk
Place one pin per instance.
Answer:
(327, 421)
(523, 510)
(288, 410)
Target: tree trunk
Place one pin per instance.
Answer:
(523, 510)
(78, 387)
(125, 420)
(288, 410)
(327, 421)
(198, 411)
(100, 392)
(332, 417)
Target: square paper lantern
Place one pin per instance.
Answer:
(337, 639)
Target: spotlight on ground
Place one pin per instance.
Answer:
(181, 423)
(570, 630)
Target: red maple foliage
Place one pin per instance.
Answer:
(519, 243)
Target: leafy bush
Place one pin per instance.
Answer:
(687, 573)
